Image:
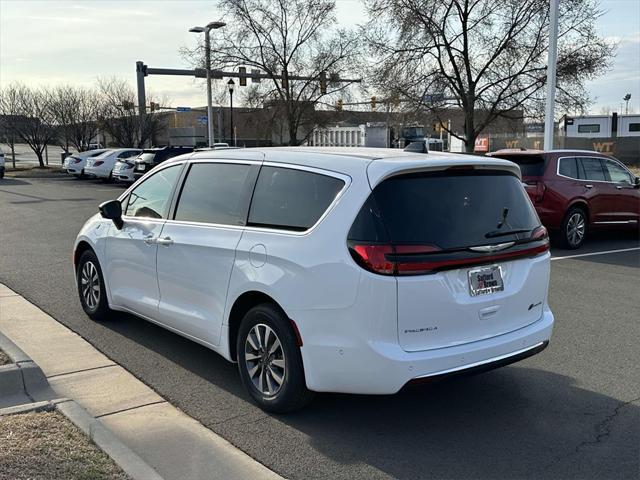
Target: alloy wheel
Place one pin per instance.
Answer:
(90, 285)
(264, 359)
(575, 228)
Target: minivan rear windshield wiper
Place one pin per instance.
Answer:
(503, 233)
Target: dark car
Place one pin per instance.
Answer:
(150, 157)
(574, 191)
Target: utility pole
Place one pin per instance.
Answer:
(551, 75)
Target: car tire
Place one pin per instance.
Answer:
(273, 376)
(574, 228)
(88, 277)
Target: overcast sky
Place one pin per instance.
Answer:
(48, 42)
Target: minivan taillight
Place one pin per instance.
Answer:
(376, 258)
(427, 259)
(373, 258)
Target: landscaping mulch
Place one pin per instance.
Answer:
(47, 446)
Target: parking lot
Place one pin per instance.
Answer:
(571, 412)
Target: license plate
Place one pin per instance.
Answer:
(483, 281)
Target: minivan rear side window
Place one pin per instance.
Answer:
(216, 193)
(291, 199)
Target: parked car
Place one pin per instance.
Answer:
(123, 169)
(1, 164)
(151, 157)
(75, 163)
(577, 190)
(330, 270)
(102, 165)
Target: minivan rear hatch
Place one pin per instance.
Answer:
(464, 245)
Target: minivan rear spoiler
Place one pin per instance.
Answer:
(381, 169)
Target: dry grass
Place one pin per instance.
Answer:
(4, 358)
(46, 446)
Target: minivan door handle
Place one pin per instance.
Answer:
(150, 239)
(588, 186)
(166, 241)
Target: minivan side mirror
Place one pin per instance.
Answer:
(112, 210)
(636, 182)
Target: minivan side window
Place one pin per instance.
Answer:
(568, 167)
(152, 197)
(216, 193)
(593, 169)
(617, 173)
(291, 199)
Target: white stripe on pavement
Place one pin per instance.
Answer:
(596, 253)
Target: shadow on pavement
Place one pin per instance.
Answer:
(515, 422)
(8, 181)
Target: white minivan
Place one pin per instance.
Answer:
(327, 269)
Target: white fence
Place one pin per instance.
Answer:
(337, 137)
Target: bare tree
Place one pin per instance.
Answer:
(9, 113)
(75, 112)
(486, 57)
(119, 116)
(289, 38)
(32, 123)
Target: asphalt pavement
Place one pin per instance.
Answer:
(572, 411)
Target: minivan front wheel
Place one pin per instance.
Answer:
(91, 290)
(270, 362)
(574, 228)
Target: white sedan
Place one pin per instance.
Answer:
(74, 164)
(102, 165)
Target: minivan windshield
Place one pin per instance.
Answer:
(448, 210)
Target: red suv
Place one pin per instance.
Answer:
(577, 190)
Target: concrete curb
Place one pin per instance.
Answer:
(25, 377)
(126, 459)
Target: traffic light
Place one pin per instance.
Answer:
(243, 80)
(339, 105)
(323, 83)
(373, 103)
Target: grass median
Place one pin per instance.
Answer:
(47, 446)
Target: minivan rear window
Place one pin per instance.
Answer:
(530, 165)
(291, 199)
(446, 210)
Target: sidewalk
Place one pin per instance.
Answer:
(174, 444)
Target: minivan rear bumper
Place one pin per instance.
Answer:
(383, 368)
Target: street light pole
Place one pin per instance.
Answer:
(207, 51)
(207, 54)
(551, 75)
(231, 85)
